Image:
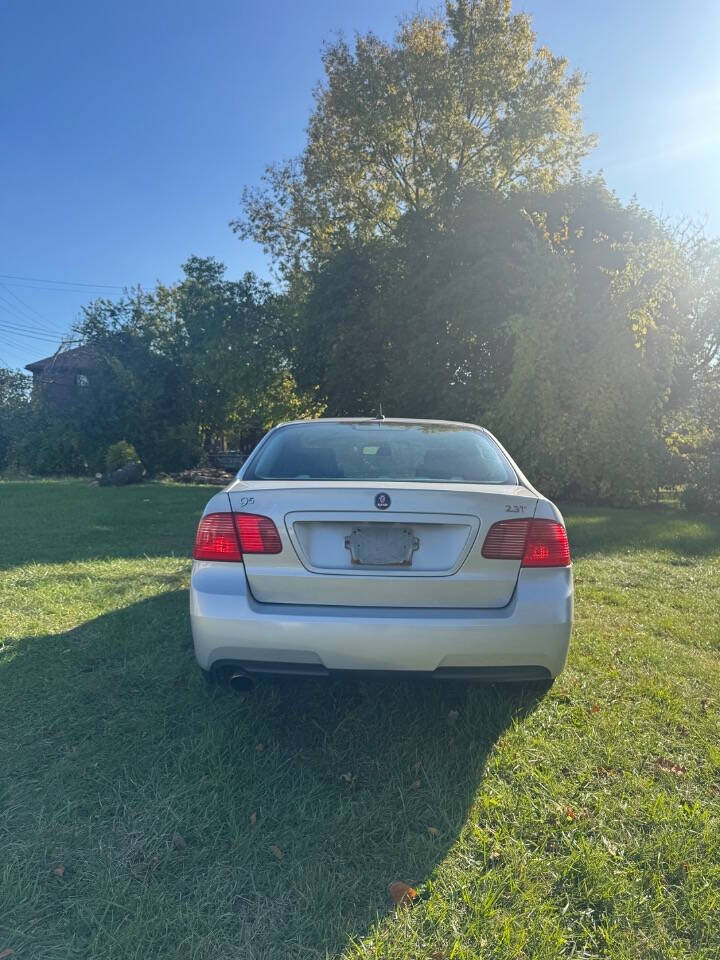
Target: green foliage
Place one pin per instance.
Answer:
(52, 444)
(119, 455)
(457, 101)
(202, 362)
(696, 444)
(582, 406)
(14, 396)
(552, 318)
(417, 324)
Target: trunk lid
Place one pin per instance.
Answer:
(422, 550)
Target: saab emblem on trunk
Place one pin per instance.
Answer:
(382, 501)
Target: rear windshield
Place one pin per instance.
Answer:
(380, 451)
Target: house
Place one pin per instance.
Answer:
(64, 375)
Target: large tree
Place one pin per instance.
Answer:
(461, 100)
(554, 318)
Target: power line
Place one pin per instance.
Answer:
(12, 324)
(64, 283)
(14, 344)
(84, 291)
(24, 303)
(22, 326)
(29, 336)
(21, 320)
(34, 329)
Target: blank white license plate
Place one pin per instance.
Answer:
(382, 545)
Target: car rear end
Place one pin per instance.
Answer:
(382, 546)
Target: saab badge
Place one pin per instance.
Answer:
(382, 501)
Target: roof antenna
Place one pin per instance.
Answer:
(380, 414)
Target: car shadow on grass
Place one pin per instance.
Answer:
(202, 823)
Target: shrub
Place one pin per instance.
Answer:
(119, 454)
(49, 448)
(702, 494)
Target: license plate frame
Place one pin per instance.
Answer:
(381, 545)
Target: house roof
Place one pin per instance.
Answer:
(76, 357)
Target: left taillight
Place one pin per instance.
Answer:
(227, 536)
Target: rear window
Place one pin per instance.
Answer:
(380, 451)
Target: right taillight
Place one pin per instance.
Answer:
(227, 536)
(536, 543)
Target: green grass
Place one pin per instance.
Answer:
(556, 832)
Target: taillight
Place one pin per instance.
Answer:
(217, 539)
(227, 536)
(536, 543)
(257, 534)
(547, 545)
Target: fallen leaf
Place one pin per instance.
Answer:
(667, 766)
(348, 777)
(415, 785)
(438, 955)
(276, 852)
(714, 789)
(179, 842)
(7, 952)
(253, 818)
(606, 772)
(452, 717)
(610, 846)
(596, 708)
(570, 813)
(59, 870)
(433, 831)
(401, 894)
(259, 747)
(495, 854)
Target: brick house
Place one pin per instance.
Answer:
(64, 375)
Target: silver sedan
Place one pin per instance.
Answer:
(381, 545)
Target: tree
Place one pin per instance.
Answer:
(191, 365)
(596, 343)
(14, 403)
(416, 323)
(555, 318)
(457, 101)
(692, 418)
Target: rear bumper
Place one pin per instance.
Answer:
(229, 626)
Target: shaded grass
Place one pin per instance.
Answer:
(555, 831)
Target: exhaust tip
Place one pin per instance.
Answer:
(241, 681)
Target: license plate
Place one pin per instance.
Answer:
(382, 545)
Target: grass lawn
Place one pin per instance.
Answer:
(145, 815)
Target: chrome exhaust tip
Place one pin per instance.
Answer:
(241, 681)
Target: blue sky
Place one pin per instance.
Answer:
(130, 128)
